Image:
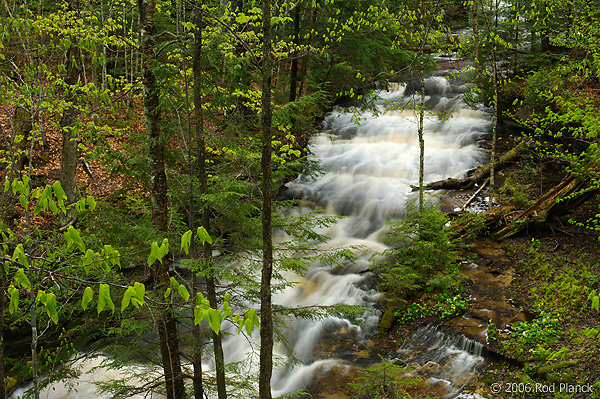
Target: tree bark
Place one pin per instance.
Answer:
(196, 66)
(203, 177)
(295, 55)
(475, 17)
(494, 131)
(2, 305)
(266, 315)
(421, 139)
(167, 325)
(68, 124)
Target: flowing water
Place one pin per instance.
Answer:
(367, 161)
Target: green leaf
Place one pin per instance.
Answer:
(104, 298)
(127, 298)
(163, 249)
(596, 303)
(167, 292)
(203, 235)
(249, 325)
(88, 295)
(50, 303)
(155, 254)
(139, 293)
(59, 193)
(251, 315)
(183, 292)
(72, 236)
(199, 315)
(80, 205)
(23, 201)
(174, 283)
(91, 203)
(19, 255)
(22, 279)
(112, 255)
(52, 206)
(14, 299)
(185, 241)
(214, 320)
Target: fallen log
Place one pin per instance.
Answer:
(480, 173)
(505, 221)
(567, 194)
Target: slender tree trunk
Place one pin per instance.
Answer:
(167, 325)
(68, 124)
(203, 177)
(266, 315)
(421, 139)
(2, 305)
(494, 130)
(295, 55)
(475, 17)
(196, 66)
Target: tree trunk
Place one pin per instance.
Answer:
(494, 131)
(2, 305)
(295, 55)
(266, 316)
(421, 139)
(196, 66)
(475, 17)
(167, 325)
(68, 124)
(203, 177)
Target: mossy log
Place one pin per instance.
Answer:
(505, 221)
(480, 173)
(570, 192)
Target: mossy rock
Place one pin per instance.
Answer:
(388, 318)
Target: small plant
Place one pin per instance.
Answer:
(384, 380)
(423, 256)
(443, 306)
(539, 331)
(492, 331)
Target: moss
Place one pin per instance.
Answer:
(556, 366)
(388, 318)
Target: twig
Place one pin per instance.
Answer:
(474, 195)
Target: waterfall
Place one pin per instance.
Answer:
(367, 160)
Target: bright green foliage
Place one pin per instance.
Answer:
(541, 330)
(423, 256)
(88, 295)
(385, 380)
(134, 294)
(104, 298)
(49, 301)
(442, 306)
(158, 253)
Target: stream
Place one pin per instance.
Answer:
(367, 160)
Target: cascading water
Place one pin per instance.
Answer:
(367, 162)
